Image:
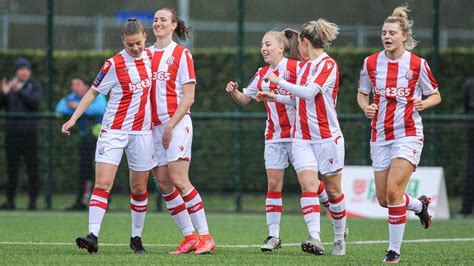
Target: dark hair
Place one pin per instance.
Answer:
(82, 78)
(132, 26)
(181, 30)
(291, 45)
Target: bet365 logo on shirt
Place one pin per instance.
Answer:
(393, 92)
(161, 75)
(144, 83)
(279, 90)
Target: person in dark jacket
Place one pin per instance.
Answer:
(22, 94)
(468, 195)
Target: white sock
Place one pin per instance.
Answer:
(273, 209)
(397, 217)
(97, 208)
(177, 210)
(337, 208)
(311, 211)
(138, 208)
(195, 208)
(322, 195)
(413, 204)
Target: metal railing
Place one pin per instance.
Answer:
(101, 24)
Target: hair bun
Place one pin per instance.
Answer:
(401, 12)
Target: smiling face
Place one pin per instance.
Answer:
(163, 25)
(134, 44)
(272, 49)
(393, 37)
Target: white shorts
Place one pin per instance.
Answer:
(138, 148)
(180, 145)
(406, 148)
(327, 157)
(277, 155)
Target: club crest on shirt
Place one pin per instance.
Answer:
(286, 75)
(170, 60)
(409, 74)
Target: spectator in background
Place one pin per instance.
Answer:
(89, 127)
(468, 195)
(22, 94)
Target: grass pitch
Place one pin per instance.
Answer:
(48, 238)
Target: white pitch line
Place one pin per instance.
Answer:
(369, 242)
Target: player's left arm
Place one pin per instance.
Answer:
(181, 111)
(187, 77)
(429, 88)
(430, 101)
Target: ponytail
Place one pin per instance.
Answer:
(319, 33)
(290, 37)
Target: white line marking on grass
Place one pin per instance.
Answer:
(369, 242)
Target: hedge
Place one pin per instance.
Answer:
(214, 152)
(215, 67)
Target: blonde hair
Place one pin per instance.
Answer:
(319, 33)
(400, 16)
(289, 39)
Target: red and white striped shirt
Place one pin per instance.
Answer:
(280, 117)
(127, 80)
(395, 84)
(172, 67)
(316, 118)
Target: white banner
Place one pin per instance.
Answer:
(359, 189)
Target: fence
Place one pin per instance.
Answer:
(227, 163)
(100, 32)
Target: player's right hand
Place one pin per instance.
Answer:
(67, 126)
(370, 110)
(265, 96)
(231, 86)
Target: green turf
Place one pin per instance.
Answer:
(216, 202)
(227, 229)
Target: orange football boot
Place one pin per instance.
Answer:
(190, 243)
(206, 245)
